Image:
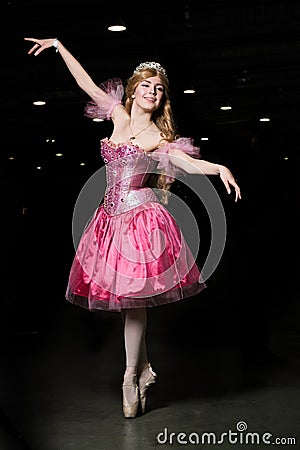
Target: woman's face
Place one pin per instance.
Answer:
(149, 93)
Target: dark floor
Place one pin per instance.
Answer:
(62, 370)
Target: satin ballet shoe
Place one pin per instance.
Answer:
(146, 379)
(130, 408)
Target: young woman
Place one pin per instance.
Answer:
(132, 255)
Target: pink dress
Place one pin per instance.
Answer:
(132, 253)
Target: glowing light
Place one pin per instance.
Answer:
(97, 120)
(189, 91)
(117, 28)
(264, 119)
(225, 108)
(39, 103)
(58, 154)
(204, 139)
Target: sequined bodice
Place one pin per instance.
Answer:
(127, 170)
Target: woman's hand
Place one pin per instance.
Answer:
(228, 179)
(40, 45)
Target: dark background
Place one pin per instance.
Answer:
(243, 53)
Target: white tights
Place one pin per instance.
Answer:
(135, 322)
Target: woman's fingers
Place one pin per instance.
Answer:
(237, 192)
(226, 183)
(32, 40)
(36, 45)
(39, 51)
(39, 46)
(33, 48)
(236, 187)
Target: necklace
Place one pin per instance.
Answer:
(139, 132)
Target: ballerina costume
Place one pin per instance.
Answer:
(132, 253)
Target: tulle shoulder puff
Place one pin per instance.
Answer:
(102, 105)
(161, 155)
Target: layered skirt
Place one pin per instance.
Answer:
(136, 259)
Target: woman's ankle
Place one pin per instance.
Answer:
(130, 371)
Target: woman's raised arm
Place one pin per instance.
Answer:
(82, 78)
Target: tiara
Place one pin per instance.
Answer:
(152, 65)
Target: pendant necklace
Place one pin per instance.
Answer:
(132, 138)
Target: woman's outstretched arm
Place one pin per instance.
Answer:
(81, 76)
(200, 166)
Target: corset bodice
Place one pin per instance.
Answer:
(127, 170)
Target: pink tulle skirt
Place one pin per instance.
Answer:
(132, 260)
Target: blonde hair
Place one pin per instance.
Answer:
(162, 117)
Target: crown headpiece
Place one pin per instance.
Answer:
(152, 65)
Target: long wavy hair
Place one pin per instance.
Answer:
(163, 119)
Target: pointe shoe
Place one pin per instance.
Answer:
(130, 408)
(146, 379)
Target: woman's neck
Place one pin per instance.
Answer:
(139, 118)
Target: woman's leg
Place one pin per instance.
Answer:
(138, 370)
(143, 355)
(135, 321)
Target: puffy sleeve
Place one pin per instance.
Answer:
(103, 106)
(162, 156)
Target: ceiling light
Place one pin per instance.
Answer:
(98, 120)
(58, 154)
(204, 139)
(82, 164)
(225, 108)
(116, 28)
(264, 119)
(189, 91)
(39, 103)
(11, 158)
